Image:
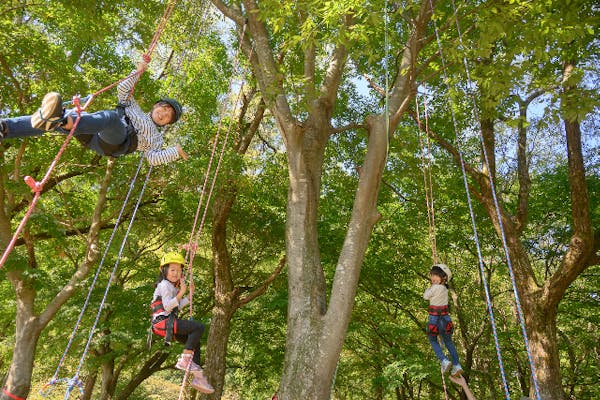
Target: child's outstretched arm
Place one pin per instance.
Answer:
(125, 87)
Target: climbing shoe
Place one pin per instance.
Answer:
(456, 370)
(201, 384)
(186, 363)
(50, 114)
(446, 364)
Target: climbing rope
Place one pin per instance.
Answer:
(47, 389)
(38, 187)
(428, 188)
(74, 381)
(472, 216)
(194, 239)
(195, 232)
(427, 179)
(498, 214)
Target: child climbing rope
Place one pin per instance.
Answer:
(168, 299)
(439, 322)
(109, 132)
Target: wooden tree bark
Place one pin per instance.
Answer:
(29, 325)
(539, 301)
(227, 297)
(316, 328)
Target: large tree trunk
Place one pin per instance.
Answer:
(316, 330)
(306, 284)
(540, 303)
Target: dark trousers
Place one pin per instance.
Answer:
(103, 132)
(189, 332)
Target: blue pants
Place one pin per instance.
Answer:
(443, 323)
(96, 130)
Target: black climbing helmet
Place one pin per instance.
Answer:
(175, 105)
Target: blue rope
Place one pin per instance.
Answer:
(93, 284)
(112, 275)
(473, 223)
(71, 384)
(499, 216)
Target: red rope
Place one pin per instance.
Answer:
(38, 187)
(12, 396)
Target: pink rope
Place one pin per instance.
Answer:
(192, 245)
(194, 238)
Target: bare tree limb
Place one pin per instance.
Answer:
(264, 285)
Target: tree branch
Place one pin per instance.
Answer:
(333, 76)
(231, 13)
(348, 127)
(263, 287)
(91, 252)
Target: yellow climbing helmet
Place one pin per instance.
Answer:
(171, 257)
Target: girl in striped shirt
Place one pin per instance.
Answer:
(108, 132)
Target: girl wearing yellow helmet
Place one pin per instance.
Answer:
(169, 297)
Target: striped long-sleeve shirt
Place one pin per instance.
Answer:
(150, 139)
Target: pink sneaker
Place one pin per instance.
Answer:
(185, 363)
(201, 384)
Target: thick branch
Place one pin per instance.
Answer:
(333, 76)
(475, 174)
(404, 87)
(263, 286)
(231, 13)
(582, 240)
(265, 68)
(349, 127)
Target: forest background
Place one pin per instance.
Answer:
(520, 77)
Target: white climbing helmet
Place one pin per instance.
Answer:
(446, 270)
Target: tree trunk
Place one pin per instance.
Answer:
(316, 331)
(90, 382)
(306, 284)
(226, 295)
(27, 333)
(216, 343)
(540, 303)
(108, 380)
